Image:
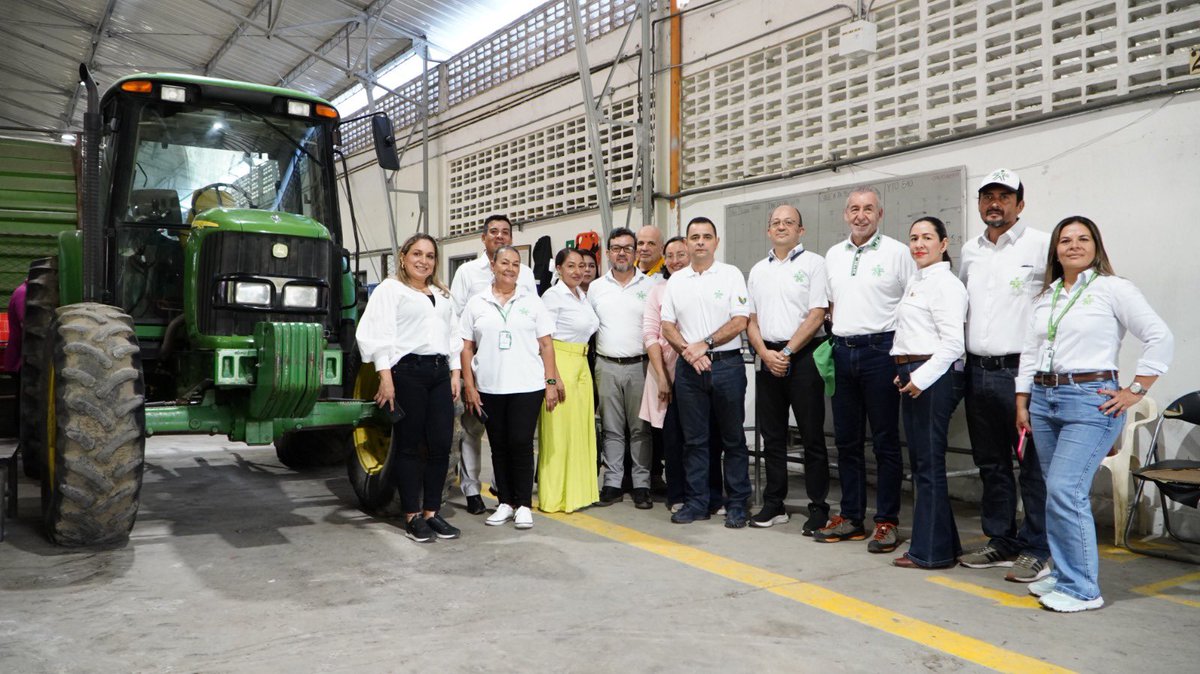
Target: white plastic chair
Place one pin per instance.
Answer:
(1124, 459)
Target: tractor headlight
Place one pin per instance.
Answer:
(255, 293)
(301, 296)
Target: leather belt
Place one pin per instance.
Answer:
(1051, 379)
(812, 344)
(864, 340)
(436, 359)
(630, 360)
(727, 353)
(1009, 361)
(904, 360)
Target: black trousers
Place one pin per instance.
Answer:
(422, 438)
(803, 392)
(511, 421)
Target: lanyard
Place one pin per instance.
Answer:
(1052, 322)
(504, 314)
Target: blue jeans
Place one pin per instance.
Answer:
(1074, 436)
(676, 476)
(991, 424)
(865, 392)
(926, 422)
(718, 395)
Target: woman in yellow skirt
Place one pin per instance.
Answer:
(567, 455)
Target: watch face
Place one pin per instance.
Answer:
(1136, 388)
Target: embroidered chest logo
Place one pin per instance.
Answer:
(877, 270)
(741, 300)
(719, 294)
(641, 295)
(1087, 299)
(523, 311)
(1017, 285)
(800, 277)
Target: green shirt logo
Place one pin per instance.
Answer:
(641, 294)
(719, 294)
(800, 277)
(877, 270)
(1017, 285)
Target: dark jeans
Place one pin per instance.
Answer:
(719, 396)
(676, 476)
(926, 422)
(991, 424)
(803, 391)
(422, 438)
(865, 392)
(512, 418)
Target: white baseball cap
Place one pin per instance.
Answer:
(1002, 176)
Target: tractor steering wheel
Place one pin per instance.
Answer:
(217, 187)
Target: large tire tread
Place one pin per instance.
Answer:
(41, 300)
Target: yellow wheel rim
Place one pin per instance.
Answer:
(371, 442)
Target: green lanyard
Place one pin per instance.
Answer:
(504, 314)
(1052, 322)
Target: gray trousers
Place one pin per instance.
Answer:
(619, 388)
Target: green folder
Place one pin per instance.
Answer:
(823, 357)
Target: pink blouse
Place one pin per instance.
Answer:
(654, 410)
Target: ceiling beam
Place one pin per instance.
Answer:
(371, 12)
(394, 25)
(237, 33)
(94, 44)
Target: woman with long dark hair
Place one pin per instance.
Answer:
(928, 350)
(1070, 398)
(407, 332)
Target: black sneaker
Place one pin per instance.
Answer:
(817, 519)
(418, 530)
(475, 505)
(641, 499)
(609, 496)
(686, 516)
(442, 528)
(769, 516)
(735, 518)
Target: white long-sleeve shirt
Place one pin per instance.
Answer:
(1002, 280)
(929, 322)
(400, 320)
(1089, 334)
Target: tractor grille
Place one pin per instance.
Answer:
(227, 254)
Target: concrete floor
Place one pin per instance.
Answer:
(238, 564)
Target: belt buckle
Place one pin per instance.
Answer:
(1056, 378)
(992, 363)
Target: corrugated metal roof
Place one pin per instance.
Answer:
(312, 45)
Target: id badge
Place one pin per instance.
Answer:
(505, 340)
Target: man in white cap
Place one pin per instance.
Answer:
(1003, 270)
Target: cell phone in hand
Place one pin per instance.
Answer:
(395, 414)
(481, 415)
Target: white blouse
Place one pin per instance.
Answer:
(400, 320)
(507, 356)
(574, 318)
(1089, 334)
(930, 320)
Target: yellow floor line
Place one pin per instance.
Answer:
(998, 596)
(918, 631)
(1155, 589)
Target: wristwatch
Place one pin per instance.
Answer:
(551, 382)
(709, 341)
(1137, 389)
(787, 353)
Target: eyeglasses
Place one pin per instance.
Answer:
(789, 222)
(621, 249)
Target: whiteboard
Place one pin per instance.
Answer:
(939, 193)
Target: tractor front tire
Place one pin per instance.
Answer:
(92, 479)
(314, 449)
(41, 299)
(367, 466)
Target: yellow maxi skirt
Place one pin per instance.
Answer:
(567, 453)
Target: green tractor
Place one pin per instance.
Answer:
(206, 290)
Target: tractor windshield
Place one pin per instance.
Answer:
(192, 159)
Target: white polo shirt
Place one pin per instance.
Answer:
(1002, 280)
(866, 283)
(699, 304)
(517, 369)
(782, 292)
(400, 320)
(620, 311)
(476, 276)
(574, 319)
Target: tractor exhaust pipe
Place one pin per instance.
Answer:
(90, 225)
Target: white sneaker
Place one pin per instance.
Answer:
(504, 513)
(524, 518)
(1064, 603)
(1043, 587)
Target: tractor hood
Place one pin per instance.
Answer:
(256, 221)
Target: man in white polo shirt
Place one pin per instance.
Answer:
(788, 301)
(619, 298)
(704, 310)
(1003, 270)
(867, 276)
(471, 279)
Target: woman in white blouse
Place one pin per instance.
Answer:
(1069, 397)
(407, 332)
(508, 371)
(567, 457)
(928, 350)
